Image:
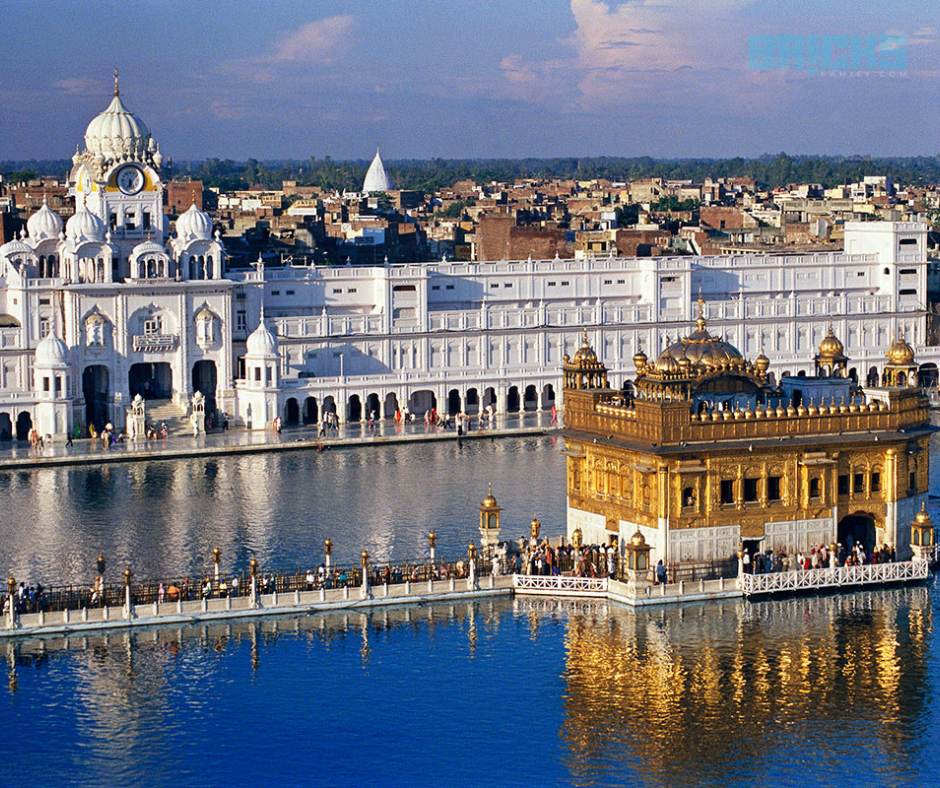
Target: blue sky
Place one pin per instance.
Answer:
(299, 78)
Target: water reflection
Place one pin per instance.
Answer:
(789, 692)
(165, 517)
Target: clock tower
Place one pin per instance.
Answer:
(117, 177)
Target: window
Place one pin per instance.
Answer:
(45, 326)
(404, 288)
(773, 488)
(876, 482)
(43, 302)
(688, 497)
(508, 284)
(669, 279)
(727, 490)
(449, 287)
(908, 242)
(258, 374)
(45, 383)
(621, 281)
(843, 484)
(859, 483)
(552, 284)
(130, 220)
(565, 283)
(814, 488)
(494, 285)
(352, 289)
(146, 215)
(912, 482)
(275, 292)
(907, 291)
(241, 320)
(289, 292)
(153, 325)
(908, 270)
(435, 287)
(750, 490)
(337, 290)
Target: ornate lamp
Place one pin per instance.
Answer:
(253, 567)
(101, 564)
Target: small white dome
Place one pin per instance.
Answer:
(262, 342)
(117, 132)
(16, 246)
(194, 224)
(45, 223)
(147, 248)
(377, 179)
(52, 352)
(85, 226)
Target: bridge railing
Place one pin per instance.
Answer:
(560, 585)
(833, 577)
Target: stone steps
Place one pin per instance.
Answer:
(164, 410)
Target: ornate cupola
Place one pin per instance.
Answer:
(901, 369)
(831, 361)
(584, 371)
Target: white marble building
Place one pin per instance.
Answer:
(110, 305)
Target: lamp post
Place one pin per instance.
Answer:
(11, 600)
(365, 574)
(472, 555)
(534, 528)
(128, 602)
(328, 549)
(432, 543)
(101, 564)
(253, 570)
(216, 558)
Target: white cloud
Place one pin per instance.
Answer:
(315, 42)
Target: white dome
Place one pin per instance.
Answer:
(45, 223)
(146, 248)
(377, 179)
(52, 352)
(194, 224)
(117, 132)
(85, 226)
(262, 342)
(16, 246)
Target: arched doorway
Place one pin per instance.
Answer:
(95, 380)
(205, 381)
(354, 408)
(6, 427)
(873, 377)
(489, 397)
(928, 376)
(310, 410)
(512, 399)
(291, 412)
(372, 406)
(421, 402)
(329, 405)
(548, 395)
(858, 527)
(472, 403)
(24, 423)
(151, 380)
(453, 402)
(391, 406)
(531, 399)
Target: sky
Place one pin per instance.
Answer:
(277, 79)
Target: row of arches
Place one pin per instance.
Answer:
(472, 401)
(20, 430)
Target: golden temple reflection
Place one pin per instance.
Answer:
(716, 694)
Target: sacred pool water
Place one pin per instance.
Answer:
(810, 691)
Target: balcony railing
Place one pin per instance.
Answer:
(833, 577)
(560, 585)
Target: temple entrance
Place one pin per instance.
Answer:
(204, 380)
(292, 412)
(6, 427)
(857, 528)
(95, 380)
(24, 423)
(152, 381)
(310, 410)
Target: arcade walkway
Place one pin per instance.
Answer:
(18, 454)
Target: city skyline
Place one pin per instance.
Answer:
(588, 78)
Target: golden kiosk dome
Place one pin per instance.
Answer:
(901, 354)
(761, 363)
(585, 354)
(922, 518)
(831, 349)
(489, 502)
(700, 349)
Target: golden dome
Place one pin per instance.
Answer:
(831, 348)
(585, 354)
(639, 359)
(667, 362)
(922, 517)
(489, 502)
(637, 539)
(761, 363)
(901, 354)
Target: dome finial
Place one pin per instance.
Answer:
(117, 90)
(700, 320)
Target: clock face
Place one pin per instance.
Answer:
(130, 180)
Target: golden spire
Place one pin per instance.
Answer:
(117, 90)
(700, 320)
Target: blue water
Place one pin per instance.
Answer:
(837, 690)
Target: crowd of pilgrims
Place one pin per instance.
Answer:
(817, 558)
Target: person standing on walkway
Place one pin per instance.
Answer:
(554, 415)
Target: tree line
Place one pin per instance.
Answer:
(430, 175)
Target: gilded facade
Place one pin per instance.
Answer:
(705, 455)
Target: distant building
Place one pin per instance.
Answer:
(377, 179)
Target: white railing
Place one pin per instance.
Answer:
(560, 585)
(833, 577)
